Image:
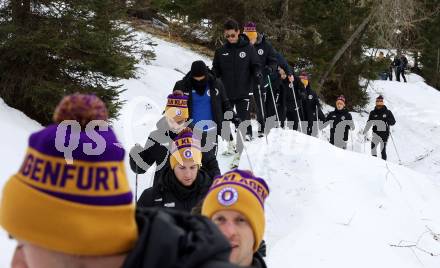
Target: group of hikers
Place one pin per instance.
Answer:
(81, 213)
(398, 66)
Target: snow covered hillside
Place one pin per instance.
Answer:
(327, 207)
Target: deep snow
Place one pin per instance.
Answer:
(327, 207)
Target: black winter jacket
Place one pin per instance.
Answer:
(339, 118)
(174, 239)
(219, 101)
(266, 56)
(381, 120)
(258, 261)
(237, 65)
(170, 193)
(310, 103)
(157, 152)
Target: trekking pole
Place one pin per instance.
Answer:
(317, 122)
(297, 108)
(273, 99)
(262, 108)
(395, 148)
(352, 144)
(136, 186)
(245, 151)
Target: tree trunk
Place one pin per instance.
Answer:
(343, 49)
(21, 10)
(285, 17)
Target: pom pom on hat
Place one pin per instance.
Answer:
(82, 108)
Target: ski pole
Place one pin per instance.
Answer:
(297, 108)
(352, 144)
(136, 185)
(317, 122)
(262, 108)
(245, 151)
(273, 99)
(395, 148)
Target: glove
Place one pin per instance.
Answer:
(136, 149)
(236, 121)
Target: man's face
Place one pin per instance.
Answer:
(199, 78)
(379, 103)
(236, 228)
(27, 255)
(31, 256)
(231, 35)
(186, 173)
(175, 125)
(340, 105)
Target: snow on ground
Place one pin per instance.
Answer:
(415, 106)
(334, 208)
(16, 128)
(327, 207)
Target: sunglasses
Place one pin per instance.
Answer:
(227, 36)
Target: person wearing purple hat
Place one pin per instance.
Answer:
(268, 61)
(341, 122)
(381, 118)
(157, 147)
(78, 211)
(208, 107)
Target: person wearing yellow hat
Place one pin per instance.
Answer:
(267, 59)
(157, 148)
(183, 184)
(235, 203)
(79, 211)
(312, 111)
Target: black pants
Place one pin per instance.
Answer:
(260, 105)
(338, 142)
(378, 141)
(400, 71)
(242, 108)
(292, 119)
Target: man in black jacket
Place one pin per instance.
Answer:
(157, 148)
(236, 64)
(310, 104)
(183, 184)
(208, 107)
(235, 202)
(380, 119)
(268, 63)
(340, 122)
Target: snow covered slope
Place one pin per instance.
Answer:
(327, 207)
(334, 208)
(16, 128)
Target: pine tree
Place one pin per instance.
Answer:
(53, 48)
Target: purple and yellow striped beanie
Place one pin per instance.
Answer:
(185, 147)
(177, 107)
(84, 207)
(240, 191)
